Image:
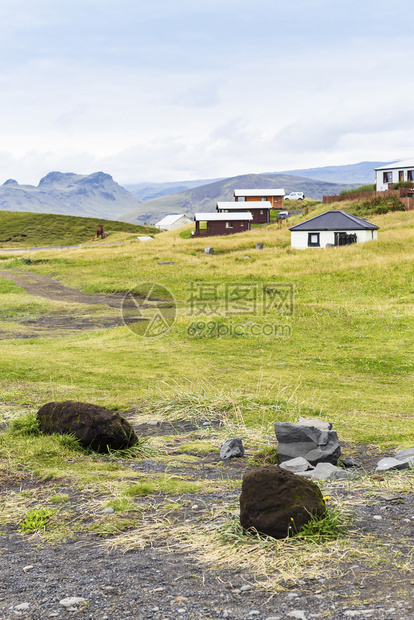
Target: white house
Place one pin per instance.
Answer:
(332, 228)
(169, 222)
(394, 173)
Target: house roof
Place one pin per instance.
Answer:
(259, 192)
(251, 204)
(222, 217)
(406, 163)
(334, 220)
(171, 219)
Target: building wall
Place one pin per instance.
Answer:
(177, 224)
(275, 201)
(220, 228)
(258, 218)
(299, 238)
(395, 176)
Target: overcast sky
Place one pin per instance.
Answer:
(166, 90)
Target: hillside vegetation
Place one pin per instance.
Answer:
(205, 197)
(43, 229)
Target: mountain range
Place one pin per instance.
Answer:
(93, 195)
(98, 195)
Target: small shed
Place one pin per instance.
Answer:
(260, 210)
(332, 228)
(274, 196)
(209, 224)
(169, 222)
(394, 173)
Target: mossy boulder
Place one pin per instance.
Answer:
(95, 427)
(278, 503)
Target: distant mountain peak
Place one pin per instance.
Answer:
(10, 182)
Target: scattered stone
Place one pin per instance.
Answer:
(243, 258)
(29, 567)
(95, 427)
(231, 448)
(377, 517)
(390, 463)
(153, 423)
(22, 607)
(313, 444)
(276, 502)
(245, 588)
(350, 462)
(72, 600)
(259, 246)
(401, 455)
(208, 250)
(296, 465)
(108, 511)
(298, 614)
(327, 471)
(389, 497)
(166, 262)
(321, 424)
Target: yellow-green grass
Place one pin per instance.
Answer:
(349, 357)
(40, 229)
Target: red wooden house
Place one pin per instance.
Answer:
(260, 210)
(209, 224)
(274, 196)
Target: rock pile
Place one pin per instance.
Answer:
(312, 440)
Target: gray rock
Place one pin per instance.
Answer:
(327, 471)
(350, 463)
(295, 465)
(391, 463)
(72, 600)
(231, 448)
(208, 250)
(108, 511)
(22, 606)
(314, 445)
(166, 262)
(321, 424)
(259, 246)
(402, 455)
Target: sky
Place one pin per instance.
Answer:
(170, 91)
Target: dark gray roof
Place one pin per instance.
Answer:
(335, 220)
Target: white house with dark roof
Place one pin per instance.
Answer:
(169, 222)
(332, 228)
(394, 173)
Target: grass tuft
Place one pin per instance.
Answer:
(36, 519)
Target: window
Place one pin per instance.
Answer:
(410, 175)
(313, 240)
(261, 211)
(387, 177)
(263, 199)
(229, 224)
(241, 199)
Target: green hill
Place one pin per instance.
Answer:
(204, 198)
(41, 229)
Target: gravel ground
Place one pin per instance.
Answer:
(166, 582)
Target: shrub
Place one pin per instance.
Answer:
(363, 188)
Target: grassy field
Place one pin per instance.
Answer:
(346, 353)
(42, 229)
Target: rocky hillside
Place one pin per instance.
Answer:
(204, 198)
(93, 195)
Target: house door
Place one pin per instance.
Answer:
(401, 176)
